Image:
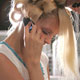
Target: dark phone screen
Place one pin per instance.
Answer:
(26, 21)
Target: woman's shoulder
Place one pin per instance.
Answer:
(7, 69)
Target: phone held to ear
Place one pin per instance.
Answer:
(26, 21)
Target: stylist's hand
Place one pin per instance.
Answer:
(33, 44)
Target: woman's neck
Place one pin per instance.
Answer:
(15, 40)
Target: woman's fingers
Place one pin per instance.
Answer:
(38, 35)
(34, 29)
(42, 40)
(34, 34)
(27, 28)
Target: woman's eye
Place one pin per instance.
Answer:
(45, 32)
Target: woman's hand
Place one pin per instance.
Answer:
(32, 52)
(33, 44)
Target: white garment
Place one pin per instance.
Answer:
(6, 50)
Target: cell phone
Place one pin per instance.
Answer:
(26, 21)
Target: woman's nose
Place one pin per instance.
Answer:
(48, 41)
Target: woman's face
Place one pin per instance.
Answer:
(49, 27)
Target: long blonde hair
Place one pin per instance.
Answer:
(67, 47)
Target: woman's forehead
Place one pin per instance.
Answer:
(48, 29)
(49, 24)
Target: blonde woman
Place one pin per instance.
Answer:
(21, 56)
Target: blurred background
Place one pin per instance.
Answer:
(50, 50)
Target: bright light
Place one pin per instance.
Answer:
(68, 8)
(17, 16)
(19, 5)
